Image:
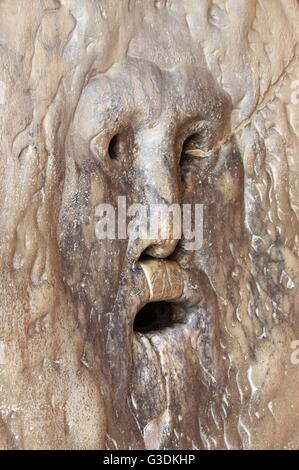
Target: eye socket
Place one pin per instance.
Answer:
(193, 146)
(116, 147)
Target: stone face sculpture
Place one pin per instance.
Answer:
(139, 342)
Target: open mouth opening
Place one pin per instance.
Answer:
(157, 316)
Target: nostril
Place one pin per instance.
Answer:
(145, 256)
(161, 250)
(144, 249)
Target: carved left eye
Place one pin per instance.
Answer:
(120, 145)
(116, 147)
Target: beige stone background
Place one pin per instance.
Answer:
(49, 48)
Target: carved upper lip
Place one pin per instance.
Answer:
(165, 279)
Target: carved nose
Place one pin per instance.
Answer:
(161, 249)
(163, 232)
(159, 179)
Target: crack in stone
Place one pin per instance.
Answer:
(268, 96)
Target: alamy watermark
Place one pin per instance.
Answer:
(151, 222)
(295, 353)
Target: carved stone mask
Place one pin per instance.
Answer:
(133, 134)
(113, 336)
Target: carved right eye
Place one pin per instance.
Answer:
(193, 146)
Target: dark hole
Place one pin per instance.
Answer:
(115, 146)
(144, 256)
(192, 142)
(153, 316)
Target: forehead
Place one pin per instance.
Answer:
(139, 93)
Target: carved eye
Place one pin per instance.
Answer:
(120, 145)
(193, 146)
(116, 147)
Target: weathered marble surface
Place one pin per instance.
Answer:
(74, 73)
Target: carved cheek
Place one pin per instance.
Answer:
(229, 187)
